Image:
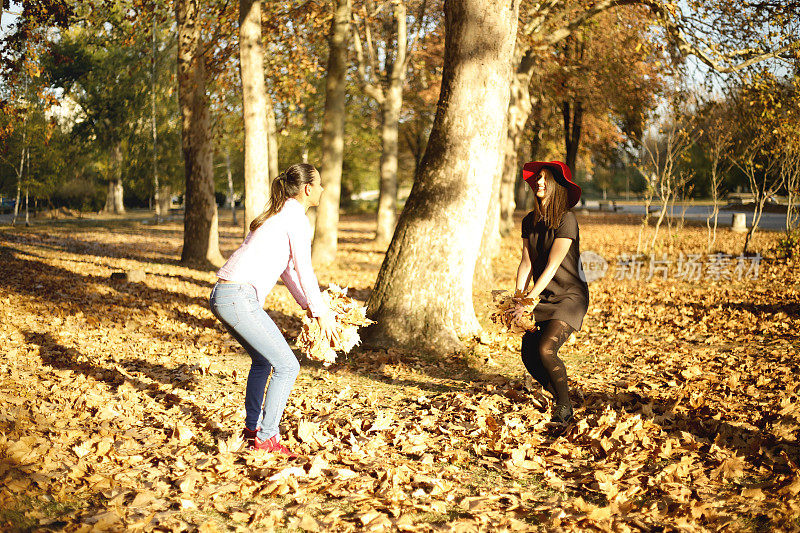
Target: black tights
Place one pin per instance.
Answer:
(540, 355)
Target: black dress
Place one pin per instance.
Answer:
(566, 297)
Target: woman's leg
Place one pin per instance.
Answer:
(553, 335)
(285, 369)
(533, 361)
(237, 307)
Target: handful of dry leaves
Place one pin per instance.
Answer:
(348, 316)
(505, 303)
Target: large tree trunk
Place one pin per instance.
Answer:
(115, 193)
(519, 110)
(200, 224)
(490, 240)
(390, 115)
(327, 219)
(254, 107)
(165, 199)
(114, 197)
(423, 294)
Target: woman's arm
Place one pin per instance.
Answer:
(289, 277)
(557, 254)
(524, 269)
(299, 273)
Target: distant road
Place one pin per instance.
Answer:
(769, 221)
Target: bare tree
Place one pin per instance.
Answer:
(660, 157)
(761, 176)
(719, 138)
(790, 168)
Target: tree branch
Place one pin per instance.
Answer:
(400, 60)
(673, 29)
(416, 31)
(369, 87)
(538, 15)
(370, 46)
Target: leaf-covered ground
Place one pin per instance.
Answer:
(121, 403)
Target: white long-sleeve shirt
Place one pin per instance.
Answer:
(280, 247)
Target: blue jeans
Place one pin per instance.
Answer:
(236, 306)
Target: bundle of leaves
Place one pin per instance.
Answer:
(505, 304)
(348, 316)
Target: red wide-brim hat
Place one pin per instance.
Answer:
(561, 173)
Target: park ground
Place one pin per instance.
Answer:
(121, 403)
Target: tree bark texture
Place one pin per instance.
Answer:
(272, 139)
(490, 240)
(423, 295)
(523, 196)
(254, 109)
(156, 187)
(165, 199)
(19, 179)
(114, 196)
(519, 109)
(387, 196)
(327, 218)
(390, 129)
(573, 121)
(229, 174)
(200, 223)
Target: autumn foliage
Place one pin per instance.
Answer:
(121, 404)
(348, 316)
(505, 303)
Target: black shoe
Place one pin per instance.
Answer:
(562, 414)
(249, 437)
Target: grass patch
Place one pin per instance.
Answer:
(28, 511)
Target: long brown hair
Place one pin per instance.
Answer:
(555, 201)
(287, 185)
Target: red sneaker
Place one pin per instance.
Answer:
(273, 445)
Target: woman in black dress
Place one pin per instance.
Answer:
(551, 258)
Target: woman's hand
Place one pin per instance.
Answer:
(524, 304)
(518, 311)
(519, 308)
(328, 326)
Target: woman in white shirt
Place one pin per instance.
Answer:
(278, 245)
